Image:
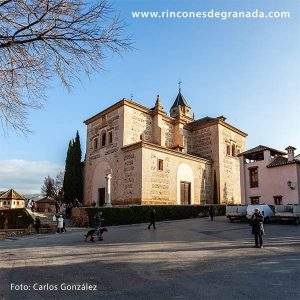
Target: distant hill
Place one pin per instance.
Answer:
(32, 196)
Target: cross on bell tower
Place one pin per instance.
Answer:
(179, 85)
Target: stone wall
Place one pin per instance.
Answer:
(230, 189)
(125, 168)
(169, 134)
(162, 187)
(103, 160)
(135, 177)
(211, 142)
(137, 125)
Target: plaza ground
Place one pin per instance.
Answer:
(186, 259)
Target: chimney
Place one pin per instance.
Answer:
(291, 152)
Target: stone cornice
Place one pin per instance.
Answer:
(218, 122)
(240, 132)
(144, 144)
(144, 109)
(105, 111)
(131, 104)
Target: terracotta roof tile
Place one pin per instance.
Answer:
(11, 195)
(261, 148)
(281, 161)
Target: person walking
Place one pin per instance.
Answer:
(152, 219)
(257, 220)
(211, 212)
(64, 227)
(37, 225)
(60, 224)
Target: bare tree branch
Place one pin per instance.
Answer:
(40, 39)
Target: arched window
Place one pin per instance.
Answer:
(110, 137)
(233, 150)
(95, 143)
(103, 139)
(228, 150)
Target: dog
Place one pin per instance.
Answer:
(98, 231)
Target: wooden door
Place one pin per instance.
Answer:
(101, 196)
(185, 193)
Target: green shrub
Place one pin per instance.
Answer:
(140, 214)
(15, 218)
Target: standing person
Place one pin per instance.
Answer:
(37, 224)
(29, 204)
(211, 212)
(152, 219)
(64, 226)
(257, 220)
(60, 224)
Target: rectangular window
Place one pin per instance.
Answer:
(95, 144)
(233, 150)
(160, 165)
(110, 137)
(254, 200)
(228, 150)
(253, 176)
(278, 200)
(103, 139)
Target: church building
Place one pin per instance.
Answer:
(143, 156)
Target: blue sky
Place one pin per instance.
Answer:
(244, 69)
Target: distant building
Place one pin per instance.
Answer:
(46, 204)
(141, 155)
(270, 176)
(11, 199)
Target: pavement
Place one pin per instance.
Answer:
(185, 259)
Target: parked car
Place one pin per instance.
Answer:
(266, 210)
(236, 212)
(287, 213)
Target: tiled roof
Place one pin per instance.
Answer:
(180, 100)
(11, 195)
(49, 200)
(261, 148)
(281, 161)
(200, 122)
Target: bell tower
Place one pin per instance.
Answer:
(180, 108)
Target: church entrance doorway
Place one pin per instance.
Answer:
(101, 196)
(185, 192)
